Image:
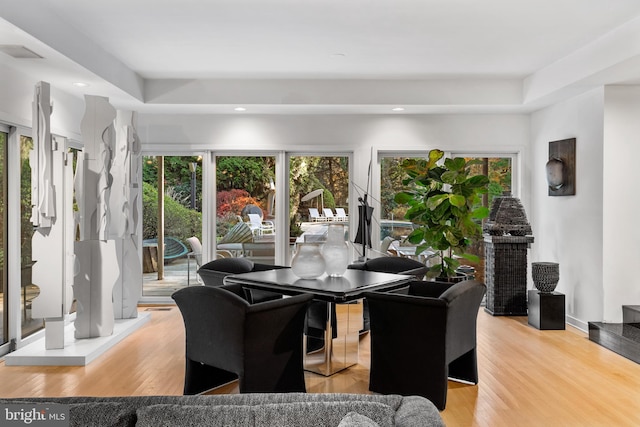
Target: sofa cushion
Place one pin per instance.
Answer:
(316, 414)
(354, 419)
(195, 415)
(416, 411)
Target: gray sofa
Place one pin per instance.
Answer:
(274, 409)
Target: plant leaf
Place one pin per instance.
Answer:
(480, 213)
(434, 156)
(478, 181)
(457, 200)
(403, 197)
(435, 201)
(470, 257)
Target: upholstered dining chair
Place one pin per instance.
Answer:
(214, 272)
(389, 264)
(423, 334)
(229, 338)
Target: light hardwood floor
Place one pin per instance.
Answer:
(527, 377)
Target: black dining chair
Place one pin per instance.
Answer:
(388, 264)
(227, 338)
(214, 272)
(423, 334)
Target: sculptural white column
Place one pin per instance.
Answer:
(124, 215)
(98, 267)
(52, 217)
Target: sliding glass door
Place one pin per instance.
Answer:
(319, 195)
(176, 216)
(4, 336)
(28, 290)
(246, 207)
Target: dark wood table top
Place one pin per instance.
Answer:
(349, 287)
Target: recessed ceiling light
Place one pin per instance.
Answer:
(80, 84)
(339, 55)
(240, 109)
(397, 109)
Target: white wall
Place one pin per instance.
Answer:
(304, 132)
(569, 229)
(621, 243)
(16, 96)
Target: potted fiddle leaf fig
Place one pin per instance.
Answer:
(444, 202)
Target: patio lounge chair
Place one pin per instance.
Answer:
(315, 216)
(341, 215)
(328, 213)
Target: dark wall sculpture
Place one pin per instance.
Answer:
(561, 167)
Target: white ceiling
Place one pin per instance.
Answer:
(326, 56)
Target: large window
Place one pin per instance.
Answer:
(499, 169)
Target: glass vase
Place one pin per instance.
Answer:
(335, 251)
(308, 262)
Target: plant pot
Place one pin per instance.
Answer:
(459, 277)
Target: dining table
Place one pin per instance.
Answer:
(343, 297)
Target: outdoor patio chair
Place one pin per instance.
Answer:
(328, 213)
(385, 246)
(173, 248)
(259, 226)
(341, 215)
(196, 254)
(423, 334)
(315, 216)
(227, 337)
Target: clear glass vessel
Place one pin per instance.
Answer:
(308, 262)
(336, 251)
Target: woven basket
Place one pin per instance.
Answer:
(545, 275)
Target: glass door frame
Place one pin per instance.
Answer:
(156, 151)
(281, 203)
(14, 313)
(282, 173)
(5, 224)
(352, 196)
